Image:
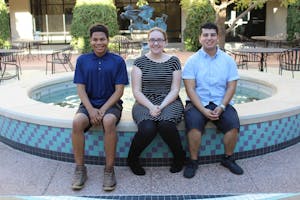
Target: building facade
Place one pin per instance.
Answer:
(50, 20)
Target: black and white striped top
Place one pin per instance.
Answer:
(156, 84)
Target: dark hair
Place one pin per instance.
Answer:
(99, 28)
(209, 25)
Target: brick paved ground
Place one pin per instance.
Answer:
(24, 174)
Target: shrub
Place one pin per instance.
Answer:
(293, 20)
(4, 24)
(198, 13)
(87, 13)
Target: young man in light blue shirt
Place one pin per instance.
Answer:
(210, 78)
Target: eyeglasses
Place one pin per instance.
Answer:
(159, 40)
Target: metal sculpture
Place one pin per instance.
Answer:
(140, 19)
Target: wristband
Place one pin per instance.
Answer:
(222, 106)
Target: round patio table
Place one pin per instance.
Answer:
(29, 43)
(269, 39)
(6, 51)
(263, 51)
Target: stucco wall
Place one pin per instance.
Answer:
(20, 19)
(275, 18)
(183, 23)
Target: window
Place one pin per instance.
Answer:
(52, 15)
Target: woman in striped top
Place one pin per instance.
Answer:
(156, 78)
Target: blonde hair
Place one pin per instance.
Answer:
(160, 30)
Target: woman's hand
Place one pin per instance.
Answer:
(155, 111)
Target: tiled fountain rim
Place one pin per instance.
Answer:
(16, 104)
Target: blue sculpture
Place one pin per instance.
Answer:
(140, 19)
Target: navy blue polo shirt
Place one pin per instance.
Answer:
(100, 75)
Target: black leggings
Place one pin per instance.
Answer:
(147, 130)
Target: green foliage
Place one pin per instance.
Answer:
(141, 3)
(87, 13)
(4, 24)
(185, 4)
(220, 5)
(198, 13)
(293, 20)
(112, 46)
(244, 4)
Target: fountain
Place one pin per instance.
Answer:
(141, 22)
(41, 129)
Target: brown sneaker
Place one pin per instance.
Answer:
(79, 177)
(109, 180)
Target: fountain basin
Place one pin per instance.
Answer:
(266, 125)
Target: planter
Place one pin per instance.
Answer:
(139, 35)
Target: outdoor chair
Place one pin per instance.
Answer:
(22, 47)
(9, 66)
(60, 57)
(246, 58)
(289, 60)
(120, 44)
(36, 45)
(238, 57)
(250, 58)
(242, 58)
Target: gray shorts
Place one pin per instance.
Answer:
(116, 110)
(194, 119)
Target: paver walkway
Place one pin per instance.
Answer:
(271, 176)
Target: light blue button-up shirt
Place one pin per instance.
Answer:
(211, 75)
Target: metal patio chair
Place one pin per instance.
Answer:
(60, 57)
(289, 60)
(238, 57)
(9, 66)
(120, 45)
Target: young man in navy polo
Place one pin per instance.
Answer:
(100, 77)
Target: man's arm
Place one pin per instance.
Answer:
(114, 98)
(230, 91)
(93, 112)
(190, 86)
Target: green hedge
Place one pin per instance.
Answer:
(87, 13)
(293, 20)
(4, 24)
(198, 13)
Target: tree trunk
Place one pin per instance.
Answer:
(220, 21)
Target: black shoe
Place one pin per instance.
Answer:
(136, 168)
(177, 164)
(176, 167)
(190, 169)
(229, 162)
